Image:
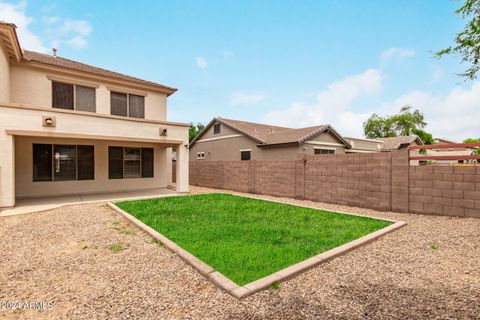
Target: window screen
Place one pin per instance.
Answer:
(147, 162)
(85, 98)
(118, 104)
(64, 163)
(131, 162)
(216, 128)
(62, 95)
(86, 163)
(323, 151)
(136, 106)
(245, 155)
(42, 162)
(115, 162)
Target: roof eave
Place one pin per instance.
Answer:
(159, 88)
(12, 38)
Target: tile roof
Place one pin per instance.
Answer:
(78, 66)
(266, 134)
(394, 143)
(294, 135)
(258, 131)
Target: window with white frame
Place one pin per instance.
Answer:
(245, 155)
(323, 151)
(200, 155)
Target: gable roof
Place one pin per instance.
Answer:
(258, 131)
(265, 134)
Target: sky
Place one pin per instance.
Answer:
(292, 63)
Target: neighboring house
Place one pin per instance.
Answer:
(449, 152)
(71, 128)
(382, 144)
(227, 139)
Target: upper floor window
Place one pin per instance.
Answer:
(127, 105)
(216, 128)
(73, 97)
(324, 151)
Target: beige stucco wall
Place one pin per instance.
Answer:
(25, 187)
(228, 149)
(31, 86)
(4, 74)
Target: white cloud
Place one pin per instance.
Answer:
(67, 31)
(56, 31)
(15, 13)
(453, 115)
(396, 54)
(246, 99)
(201, 62)
(332, 105)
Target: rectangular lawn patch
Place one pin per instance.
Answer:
(247, 239)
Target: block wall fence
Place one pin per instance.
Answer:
(380, 181)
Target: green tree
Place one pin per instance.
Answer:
(477, 150)
(194, 130)
(467, 42)
(404, 123)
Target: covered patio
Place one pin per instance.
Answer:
(36, 204)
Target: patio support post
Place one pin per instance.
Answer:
(182, 168)
(7, 170)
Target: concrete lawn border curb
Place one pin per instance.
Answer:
(287, 273)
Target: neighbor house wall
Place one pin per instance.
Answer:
(26, 187)
(32, 86)
(4, 74)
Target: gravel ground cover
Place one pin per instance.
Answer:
(91, 264)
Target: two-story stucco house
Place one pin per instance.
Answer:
(71, 128)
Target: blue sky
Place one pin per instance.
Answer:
(292, 63)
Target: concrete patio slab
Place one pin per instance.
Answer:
(29, 205)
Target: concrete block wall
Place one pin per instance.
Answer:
(361, 180)
(275, 178)
(380, 181)
(445, 190)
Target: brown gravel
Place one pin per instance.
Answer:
(429, 269)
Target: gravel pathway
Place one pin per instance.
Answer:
(91, 264)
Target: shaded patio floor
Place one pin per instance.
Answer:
(29, 205)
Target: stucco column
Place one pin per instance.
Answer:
(7, 170)
(182, 168)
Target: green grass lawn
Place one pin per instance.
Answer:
(247, 239)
